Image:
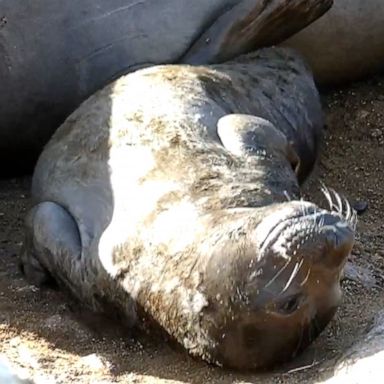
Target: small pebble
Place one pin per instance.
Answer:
(94, 362)
(360, 207)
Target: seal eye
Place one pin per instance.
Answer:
(289, 305)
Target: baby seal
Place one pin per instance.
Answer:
(165, 196)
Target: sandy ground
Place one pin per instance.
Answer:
(47, 334)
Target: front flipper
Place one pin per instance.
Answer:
(247, 135)
(52, 245)
(253, 24)
(53, 248)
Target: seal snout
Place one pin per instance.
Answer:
(339, 239)
(301, 229)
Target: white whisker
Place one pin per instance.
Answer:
(286, 194)
(306, 277)
(278, 273)
(322, 219)
(348, 209)
(293, 275)
(339, 206)
(327, 195)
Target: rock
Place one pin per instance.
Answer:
(7, 376)
(359, 275)
(360, 207)
(95, 362)
(363, 362)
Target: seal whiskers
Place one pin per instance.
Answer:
(342, 203)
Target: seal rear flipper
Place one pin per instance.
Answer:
(253, 24)
(52, 246)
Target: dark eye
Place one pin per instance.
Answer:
(288, 305)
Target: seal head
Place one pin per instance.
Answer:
(273, 290)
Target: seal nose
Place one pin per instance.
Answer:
(339, 238)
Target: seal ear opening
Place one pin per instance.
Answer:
(293, 158)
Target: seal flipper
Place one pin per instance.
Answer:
(52, 245)
(247, 135)
(253, 24)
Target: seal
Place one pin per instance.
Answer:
(55, 54)
(345, 44)
(165, 196)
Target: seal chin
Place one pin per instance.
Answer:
(279, 289)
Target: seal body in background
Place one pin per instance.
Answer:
(54, 54)
(173, 195)
(345, 44)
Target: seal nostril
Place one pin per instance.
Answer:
(289, 305)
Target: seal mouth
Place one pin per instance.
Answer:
(290, 227)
